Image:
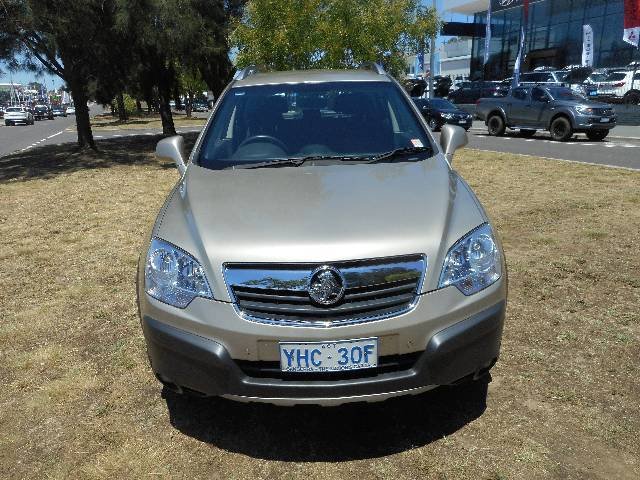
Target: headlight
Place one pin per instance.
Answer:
(473, 263)
(585, 110)
(448, 116)
(173, 276)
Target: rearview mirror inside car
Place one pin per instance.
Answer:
(451, 139)
(172, 148)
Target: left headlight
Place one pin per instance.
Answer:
(585, 110)
(473, 263)
(173, 276)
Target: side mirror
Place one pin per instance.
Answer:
(172, 148)
(451, 139)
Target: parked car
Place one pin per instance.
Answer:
(40, 112)
(622, 85)
(438, 112)
(59, 111)
(199, 106)
(321, 254)
(470, 92)
(556, 109)
(15, 115)
(71, 110)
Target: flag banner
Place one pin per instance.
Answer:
(587, 46)
(487, 35)
(632, 22)
(523, 28)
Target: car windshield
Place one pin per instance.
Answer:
(598, 77)
(442, 104)
(617, 76)
(14, 109)
(344, 120)
(565, 94)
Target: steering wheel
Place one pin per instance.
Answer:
(262, 139)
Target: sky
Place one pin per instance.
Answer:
(53, 81)
(24, 77)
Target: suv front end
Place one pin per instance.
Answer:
(342, 279)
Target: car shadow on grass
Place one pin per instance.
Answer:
(319, 434)
(51, 160)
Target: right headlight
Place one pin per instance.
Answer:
(173, 276)
(473, 263)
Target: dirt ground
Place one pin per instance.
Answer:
(78, 399)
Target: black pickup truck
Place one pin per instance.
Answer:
(556, 109)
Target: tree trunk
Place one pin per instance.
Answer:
(83, 121)
(189, 106)
(122, 110)
(138, 106)
(165, 115)
(176, 98)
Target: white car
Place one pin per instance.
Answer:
(13, 115)
(623, 85)
(71, 110)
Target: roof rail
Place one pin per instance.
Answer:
(373, 66)
(245, 72)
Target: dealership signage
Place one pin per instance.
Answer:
(497, 5)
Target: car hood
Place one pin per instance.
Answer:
(451, 110)
(319, 214)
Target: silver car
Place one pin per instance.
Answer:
(319, 249)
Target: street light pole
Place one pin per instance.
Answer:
(432, 57)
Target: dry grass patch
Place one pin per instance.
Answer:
(78, 398)
(106, 122)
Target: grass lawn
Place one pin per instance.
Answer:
(78, 399)
(106, 122)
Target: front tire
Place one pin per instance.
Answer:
(632, 98)
(527, 133)
(561, 130)
(496, 126)
(597, 135)
(7, 123)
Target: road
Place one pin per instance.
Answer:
(19, 137)
(616, 152)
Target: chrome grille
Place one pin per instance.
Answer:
(279, 293)
(603, 111)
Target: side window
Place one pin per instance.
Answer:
(520, 94)
(538, 95)
(637, 76)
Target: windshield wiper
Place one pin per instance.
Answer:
(297, 161)
(278, 162)
(398, 152)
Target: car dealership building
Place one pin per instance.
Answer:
(554, 34)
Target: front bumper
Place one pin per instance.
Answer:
(466, 123)
(594, 122)
(187, 361)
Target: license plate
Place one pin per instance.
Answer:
(329, 356)
(604, 120)
(462, 121)
(593, 93)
